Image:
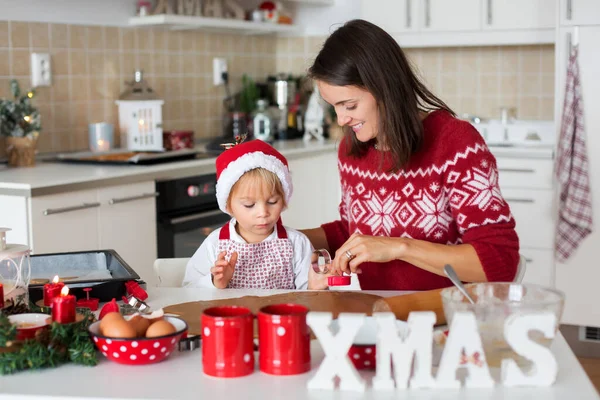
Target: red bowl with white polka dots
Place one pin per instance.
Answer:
(138, 351)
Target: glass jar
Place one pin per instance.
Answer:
(15, 270)
(262, 122)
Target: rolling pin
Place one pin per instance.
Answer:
(401, 306)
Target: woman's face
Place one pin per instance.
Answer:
(354, 107)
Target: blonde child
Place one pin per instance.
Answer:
(254, 249)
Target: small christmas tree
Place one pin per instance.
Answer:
(18, 117)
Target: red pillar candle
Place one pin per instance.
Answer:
(1, 296)
(52, 290)
(63, 307)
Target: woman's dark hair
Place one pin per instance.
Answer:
(362, 54)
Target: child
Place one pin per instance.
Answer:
(254, 249)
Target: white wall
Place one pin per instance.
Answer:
(88, 12)
(321, 21)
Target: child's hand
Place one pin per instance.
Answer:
(223, 270)
(318, 281)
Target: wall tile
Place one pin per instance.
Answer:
(60, 62)
(20, 65)
(4, 62)
(19, 34)
(77, 36)
(59, 36)
(4, 36)
(39, 35)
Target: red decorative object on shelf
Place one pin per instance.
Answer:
(63, 307)
(1, 296)
(177, 140)
(135, 290)
(89, 302)
(52, 290)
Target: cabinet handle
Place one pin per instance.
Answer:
(519, 200)
(569, 46)
(489, 12)
(50, 211)
(427, 13)
(132, 198)
(528, 259)
(408, 14)
(569, 9)
(519, 170)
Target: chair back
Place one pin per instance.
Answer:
(170, 271)
(520, 270)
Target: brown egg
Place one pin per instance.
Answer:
(119, 329)
(140, 324)
(160, 328)
(108, 320)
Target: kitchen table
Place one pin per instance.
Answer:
(181, 377)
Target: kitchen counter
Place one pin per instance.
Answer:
(181, 377)
(56, 177)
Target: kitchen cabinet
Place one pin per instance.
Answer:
(527, 187)
(447, 16)
(121, 217)
(392, 15)
(578, 278)
(126, 223)
(518, 14)
(64, 222)
(317, 191)
(426, 23)
(579, 12)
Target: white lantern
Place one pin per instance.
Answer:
(15, 270)
(140, 117)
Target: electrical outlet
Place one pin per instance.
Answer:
(219, 66)
(41, 71)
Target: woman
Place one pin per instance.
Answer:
(419, 187)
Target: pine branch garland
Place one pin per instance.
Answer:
(18, 117)
(60, 344)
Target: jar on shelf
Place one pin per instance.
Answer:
(15, 270)
(144, 8)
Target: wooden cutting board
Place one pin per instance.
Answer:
(334, 302)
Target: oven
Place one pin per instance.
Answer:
(187, 212)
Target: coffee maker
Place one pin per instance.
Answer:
(282, 89)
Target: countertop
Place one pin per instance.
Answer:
(181, 376)
(56, 177)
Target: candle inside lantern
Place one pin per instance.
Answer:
(102, 145)
(1, 296)
(51, 290)
(63, 307)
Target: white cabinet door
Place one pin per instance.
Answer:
(518, 14)
(579, 277)
(391, 15)
(539, 266)
(65, 222)
(316, 192)
(445, 16)
(532, 210)
(13, 214)
(127, 224)
(579, 12)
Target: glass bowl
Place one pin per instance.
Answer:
(494, 303)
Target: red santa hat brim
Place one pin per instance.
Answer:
(247, 162)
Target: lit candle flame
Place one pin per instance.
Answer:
(64, 291)
(55, 280)
(141, 122)
(27, 118)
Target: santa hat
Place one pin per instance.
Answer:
(241, 158)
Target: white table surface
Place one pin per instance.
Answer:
(181, 377)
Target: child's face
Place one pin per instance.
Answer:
(256, 209)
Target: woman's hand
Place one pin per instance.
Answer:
(222, 272)
(363, 248)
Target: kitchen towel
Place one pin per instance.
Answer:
(575, 220)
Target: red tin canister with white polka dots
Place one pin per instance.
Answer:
(284, 339)
(227, 341)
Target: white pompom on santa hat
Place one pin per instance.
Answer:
(241, 158)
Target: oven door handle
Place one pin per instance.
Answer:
(194, 217)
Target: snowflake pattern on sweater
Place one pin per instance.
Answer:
(449, 188)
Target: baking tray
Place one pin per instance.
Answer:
(104, 271)
(125, 157)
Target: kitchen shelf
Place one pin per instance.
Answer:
(182, 22)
